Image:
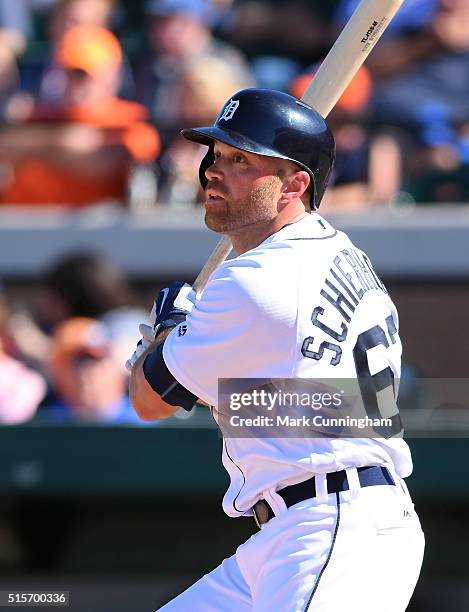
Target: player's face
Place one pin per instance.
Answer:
(243, 189)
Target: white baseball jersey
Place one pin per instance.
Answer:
(305, 303)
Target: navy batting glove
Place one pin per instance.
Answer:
(171, 307)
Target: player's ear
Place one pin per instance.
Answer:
(295, 185)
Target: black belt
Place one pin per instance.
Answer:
(336, 481)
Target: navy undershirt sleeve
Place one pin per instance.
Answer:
(163, 382)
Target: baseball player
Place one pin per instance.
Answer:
(337, 528)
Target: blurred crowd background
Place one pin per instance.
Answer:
(93, 94)
(62, 355)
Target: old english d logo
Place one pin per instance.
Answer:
(230, 110)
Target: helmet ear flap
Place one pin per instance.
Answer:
(204, 164)
(325, 172)
(314, 204)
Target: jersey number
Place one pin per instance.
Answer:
(372, 384)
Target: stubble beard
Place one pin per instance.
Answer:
(260, 206)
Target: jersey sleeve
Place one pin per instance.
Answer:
(243, 327)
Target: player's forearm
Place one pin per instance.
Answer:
(147, 404)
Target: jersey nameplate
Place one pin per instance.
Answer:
(350, 277)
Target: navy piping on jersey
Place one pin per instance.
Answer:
(319, 238)
(163, 382)
(242, 474)
(329, 555)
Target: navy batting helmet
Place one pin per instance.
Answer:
(274, 124)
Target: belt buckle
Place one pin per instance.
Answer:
(260, 512)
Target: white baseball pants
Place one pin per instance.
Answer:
(356, 551)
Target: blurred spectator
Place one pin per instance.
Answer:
(179, 32)
(9, 76)
(40, 75)
(12, 44)
(68, 14)
(293, 28)
(367, 167)
(122, 325)
(281, 37)
(90, 386)
(20, 16)
(420, 69)
(439, 171)
(198, 104)
(21, 389)
(82, 151)
(82, 284)
(423, 57)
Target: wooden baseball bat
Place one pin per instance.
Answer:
(357, 39)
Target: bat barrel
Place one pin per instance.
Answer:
(357, 39)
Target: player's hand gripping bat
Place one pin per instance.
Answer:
(348, 53)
